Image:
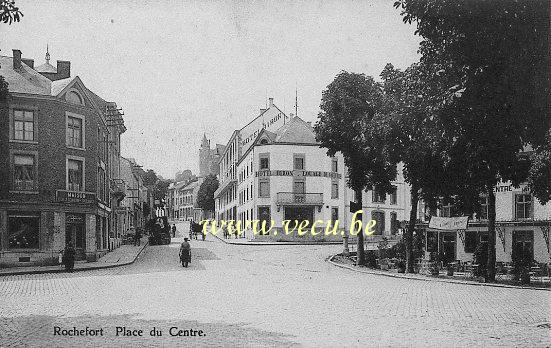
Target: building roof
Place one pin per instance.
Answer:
(46, 68)
(24, 80)
(296, 131)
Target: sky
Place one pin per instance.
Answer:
(181, 69)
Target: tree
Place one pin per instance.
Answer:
(205, 195)
(160, 189)
(149, 178)
(416, 138)
(9, 13)
(346, 124)
(539, 178)
(495, 56)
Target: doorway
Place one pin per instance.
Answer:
(75, 232)
(447, 246)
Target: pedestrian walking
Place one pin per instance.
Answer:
(185, 252)
(69, 257)
(173, 230)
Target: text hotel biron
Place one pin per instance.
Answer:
(55, 142)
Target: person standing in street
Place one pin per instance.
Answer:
(185, 252)
(138, 237)
(69, 257)
(173, 230)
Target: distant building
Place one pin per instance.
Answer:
(209, 158)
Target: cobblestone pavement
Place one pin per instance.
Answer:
(263, 296)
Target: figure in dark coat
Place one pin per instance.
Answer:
(69, 257)
(185, 252)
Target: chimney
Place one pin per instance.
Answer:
(29, 62)
(63, 69)
(291, 115)
(271, 102)
(16, 59)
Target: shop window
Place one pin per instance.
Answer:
(394, 195)
(523, 206)
(264, 215)
(523, 246)
(24, 172)
(74, 175)
(23, 231)
(334, 189)
(23, 125)
(379, 217)
(432, 241)
(378, 196)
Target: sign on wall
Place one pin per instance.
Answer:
(298, 173)
(75, 197)
(449, 223)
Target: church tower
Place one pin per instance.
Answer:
(205, 157)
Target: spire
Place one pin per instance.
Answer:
(296, 101)
(204, 142)
(47, 54)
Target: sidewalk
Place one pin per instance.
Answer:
(124, 255)
(420, 277)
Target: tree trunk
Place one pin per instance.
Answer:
(408, 236)
(360, 255)
(491, 266)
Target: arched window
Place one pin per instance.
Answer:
(73, 97)
(263, 142)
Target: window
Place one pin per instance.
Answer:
(523, 206)
(264, 215)
(264, 162)
(74, 131)
(394, 224)
(379, 217)
(523, 246)
(334, 214)
(74, 175)
(483, 215)
(23, 231)
(23, 125)
(394, 195)
(334, 189)
(24, 173)
(378, 196)
(73, 97)
(298, 162)
(446, 210)
(299, 186)
(334, 165)
(471, 241)
(264, 188)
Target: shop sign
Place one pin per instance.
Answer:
(510, 188)
(75, 197)
(451, 223)
(298, 173)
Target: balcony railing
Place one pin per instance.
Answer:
(291, 198)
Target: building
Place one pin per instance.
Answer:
(209, 158)
(226, 197)
(55, 188)
(522, 225)
(285, 175)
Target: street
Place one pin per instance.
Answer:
(262, 296)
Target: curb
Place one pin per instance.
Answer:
(279, 243)
(428, 279)
(62, 270)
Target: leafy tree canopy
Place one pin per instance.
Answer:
(9, 13)
(205, 195)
